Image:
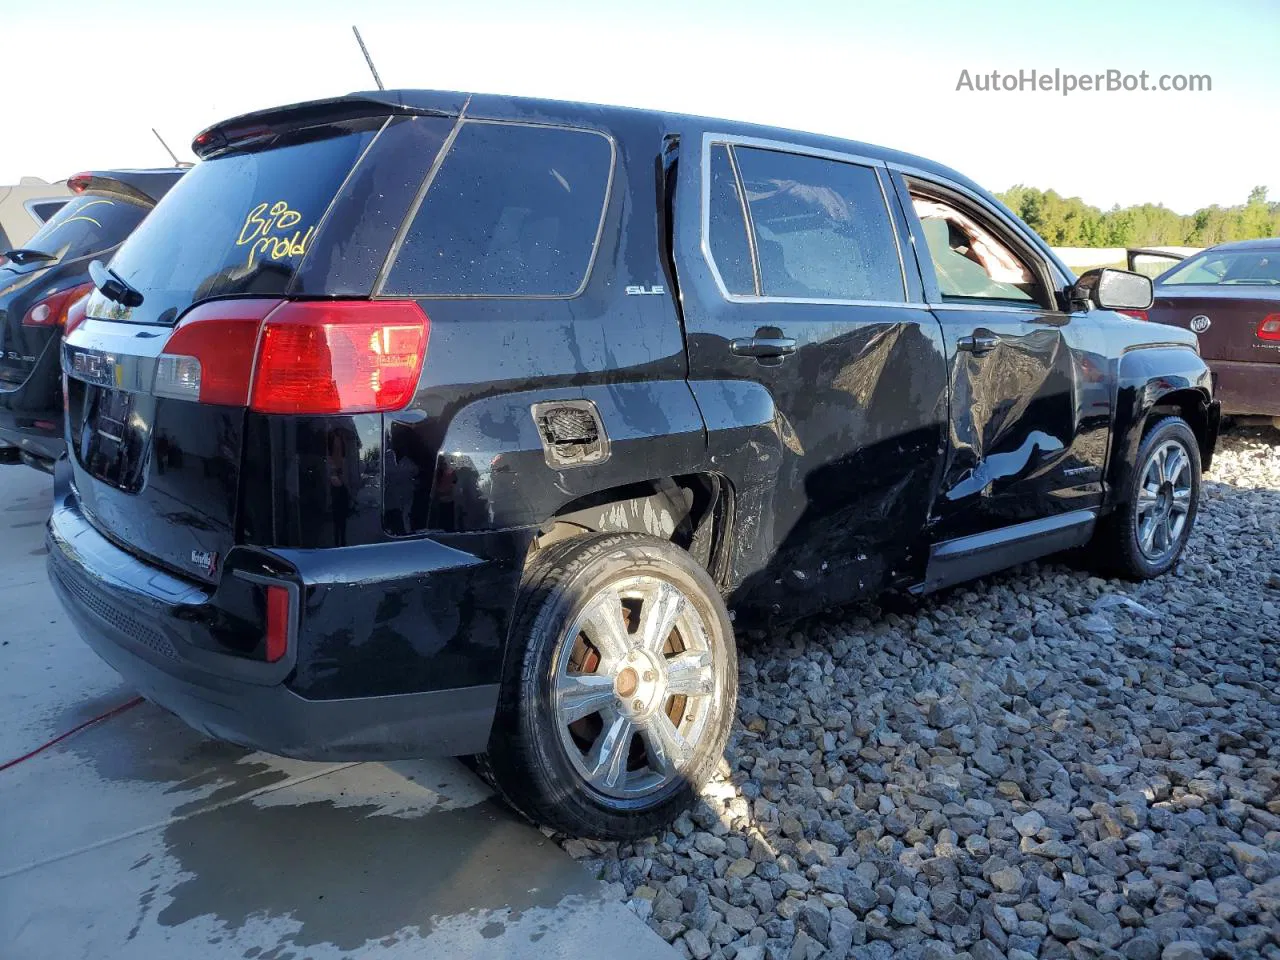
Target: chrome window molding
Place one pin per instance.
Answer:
(445, 149)
(780, 146)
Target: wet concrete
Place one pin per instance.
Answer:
(140, 838)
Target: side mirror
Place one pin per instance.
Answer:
(1111, 289)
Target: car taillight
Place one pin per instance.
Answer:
(1269, 328)
(277, 638)
(52, 310)
(1136, 314)
(339, 357)
(309, 357)
(79, 183)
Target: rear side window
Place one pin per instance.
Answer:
(87, 224)
(513, 211)
(727, 226)
(240, 223)
(822, 230)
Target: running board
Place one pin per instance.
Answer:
(967, 558)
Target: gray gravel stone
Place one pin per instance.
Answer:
(1045, 764)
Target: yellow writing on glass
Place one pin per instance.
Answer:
(265, 231)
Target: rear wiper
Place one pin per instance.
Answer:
(112, 287)
(23, 255)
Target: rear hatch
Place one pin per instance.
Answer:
(53, 262)
(1230, 298)
(158, 471)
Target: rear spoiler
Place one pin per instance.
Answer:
(248, 127)
(145, 186)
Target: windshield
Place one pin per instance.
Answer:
(1257, 267)
(87, 224)
(237, 225)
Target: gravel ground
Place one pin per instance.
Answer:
(1042, 764)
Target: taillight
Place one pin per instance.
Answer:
(75, 314)
(209, 356)
(277, 638)
(339, 357)
(52, 310)
(79, 183)
(1136, 314)
(1269, 328)
(312, 357)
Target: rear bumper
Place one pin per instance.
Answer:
(144, 623)
(1247, 389)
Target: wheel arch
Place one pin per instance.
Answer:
(1152, 382)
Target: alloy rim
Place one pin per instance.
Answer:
(635, 688)
(1164, 501)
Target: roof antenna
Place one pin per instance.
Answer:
(176, 161)
(367, 59)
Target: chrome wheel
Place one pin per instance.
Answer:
(1164, 500)
(635, 687)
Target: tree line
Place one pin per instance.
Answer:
(1070, 222)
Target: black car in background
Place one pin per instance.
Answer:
(40, 281)
(415, 422)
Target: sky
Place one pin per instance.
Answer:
(86, 81)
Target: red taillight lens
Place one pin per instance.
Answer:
(339, 357)
(1136, 314)
(277, 638)
(52, 310)
(313, 357)
(1269, 328)
(209, 356)
(79, 183)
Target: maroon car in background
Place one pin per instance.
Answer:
(1229, 296)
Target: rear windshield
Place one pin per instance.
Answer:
(1241, 267)
(238, 224)
(514, 211)
(85, 225)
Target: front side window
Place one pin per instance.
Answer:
(1242, 267)
(821, 228)
(970, 261)
(514, 211)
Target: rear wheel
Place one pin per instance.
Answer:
(619, 690)
(1146, 534)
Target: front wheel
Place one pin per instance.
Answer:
(1146, 534)
(619, 690)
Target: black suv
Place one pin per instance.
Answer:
(417, 422)
(40, 282)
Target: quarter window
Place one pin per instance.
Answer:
(821, 228)
(514, 211)
(969, 260)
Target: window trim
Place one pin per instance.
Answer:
(877, 167)
(445, 149)
(1051, 278)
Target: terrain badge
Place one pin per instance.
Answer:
(1200, 323)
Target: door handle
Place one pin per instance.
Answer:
(763, 348)
(981, 342)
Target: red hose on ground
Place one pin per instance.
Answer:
(58, 739)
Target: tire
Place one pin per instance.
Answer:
(1126, 544)
(578, 599)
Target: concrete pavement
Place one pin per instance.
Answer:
(138, 837)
